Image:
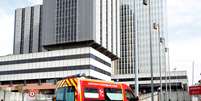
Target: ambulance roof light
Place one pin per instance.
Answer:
(76, 75)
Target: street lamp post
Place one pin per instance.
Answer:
(193, 68)
(160, 40)
(168, 76)
(175, 69)
(148, 3)
(169, 73)
(136, 63)
(151, 54)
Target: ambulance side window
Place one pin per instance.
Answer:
(113, 94)
(91, 93)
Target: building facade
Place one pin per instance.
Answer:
(176, 80)
(61, 38)
(81, 22)
(136, 23)
(43, 67)
(27, 30)
(58, 24)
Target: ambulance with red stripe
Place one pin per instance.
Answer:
(77, 88)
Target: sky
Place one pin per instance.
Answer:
(184, 32)
(184, 36)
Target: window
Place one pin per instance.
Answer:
(113, 94)
(65, 94)
(70, 94)
(60, 94)
(91, 93)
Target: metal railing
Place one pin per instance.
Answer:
(16, 96)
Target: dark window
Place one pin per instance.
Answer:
(22, 32)
(40, 31)
(31, 31)
(113, 94)
(65, 94)
(66, 20)
(70, 94)
(101, 23)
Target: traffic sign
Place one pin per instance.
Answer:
(33, 92)
(195, 90)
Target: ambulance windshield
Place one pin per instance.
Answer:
(65, 94)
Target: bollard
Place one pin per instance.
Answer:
(4, 95)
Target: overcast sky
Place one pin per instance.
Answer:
(184, 31)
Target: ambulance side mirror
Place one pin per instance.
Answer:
(136, 98)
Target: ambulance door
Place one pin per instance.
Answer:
(70, 94)
(65, 94)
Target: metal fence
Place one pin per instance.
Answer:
(15, 96)
(177, 96)
(147, 97)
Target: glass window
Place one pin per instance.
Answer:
(113, 94)
(70, 94)
(91, 93)
(60, 94)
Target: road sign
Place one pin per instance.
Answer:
(195, 90)
(33, 92)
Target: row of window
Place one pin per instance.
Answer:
(126, 30)
(27, 45)
(66, 25)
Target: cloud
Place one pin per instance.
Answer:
(6, 32)
(184, 13)
(182, 54)
(184, 34)
(7, 23)
(35, 2)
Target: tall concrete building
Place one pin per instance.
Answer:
(81, 22)
(27, 30)
(60, 23)
(135, 21)
(61, 38)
